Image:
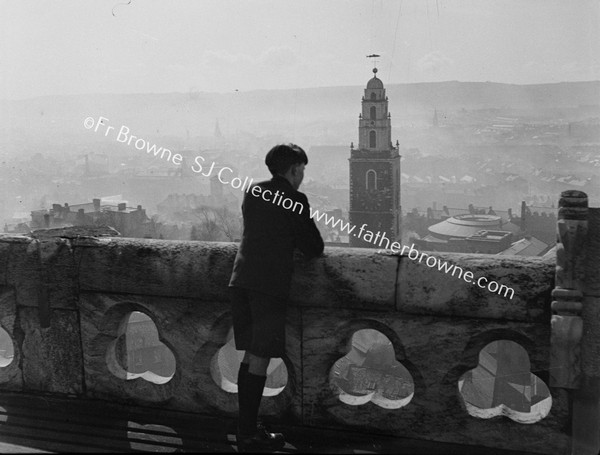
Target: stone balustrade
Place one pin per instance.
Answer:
(65, 299)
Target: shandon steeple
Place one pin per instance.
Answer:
(375, 170)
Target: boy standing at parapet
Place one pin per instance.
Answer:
(260, 283)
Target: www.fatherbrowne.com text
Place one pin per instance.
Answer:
(378, 239)
(225, 174)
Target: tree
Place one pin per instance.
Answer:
(228, 223)
(214, 224)
(205, 226)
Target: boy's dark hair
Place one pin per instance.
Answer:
(281, 157)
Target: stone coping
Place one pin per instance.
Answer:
(350, 278)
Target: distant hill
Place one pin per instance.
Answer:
(479, 95)
(267, 111)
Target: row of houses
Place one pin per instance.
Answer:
(110, 211)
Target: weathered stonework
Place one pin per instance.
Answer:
(193, 330)
(157, 267)
(52, 359)
(436, 351)
(425, 290)
(59, 271)
(11, 376)
(23, 271)
(590, 361)
(586, 399)
(346, 278)
(4, 260)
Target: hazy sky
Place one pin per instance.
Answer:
(104, 46)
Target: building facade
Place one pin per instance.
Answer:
(127, 221)
(375, 173)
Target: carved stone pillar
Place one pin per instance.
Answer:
(567, 325)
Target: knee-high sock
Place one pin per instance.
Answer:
(241, 380)
(250, 403)
(242, 394)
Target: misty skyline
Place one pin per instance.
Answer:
(70, 47)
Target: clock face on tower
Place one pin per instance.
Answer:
(375, 169)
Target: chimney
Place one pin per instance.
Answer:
(122, 206)
(57, 209)
(96, 204)
(46, 220)
(139, 207)
(80, 216)
(67, 209)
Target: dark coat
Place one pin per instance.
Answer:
(264, 261)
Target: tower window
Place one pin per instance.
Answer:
(372, 139)
(373, 113)
(371, 179)
(373, 96)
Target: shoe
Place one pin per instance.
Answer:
(260, 441)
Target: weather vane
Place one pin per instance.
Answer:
(374, 56)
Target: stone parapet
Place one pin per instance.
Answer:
(64, 302)
(528, 282)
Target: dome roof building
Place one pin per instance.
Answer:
(463, 226)
(470, 233)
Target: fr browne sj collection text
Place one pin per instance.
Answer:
(124, 136)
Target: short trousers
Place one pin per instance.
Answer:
(258, 322)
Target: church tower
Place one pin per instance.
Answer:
(375, 173)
